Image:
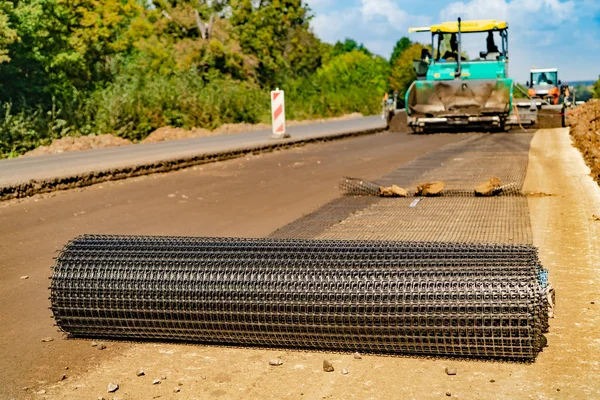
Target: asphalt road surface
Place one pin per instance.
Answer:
(248, 197)
(24, 169)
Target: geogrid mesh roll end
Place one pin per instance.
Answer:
(359, 187)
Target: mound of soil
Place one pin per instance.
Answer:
(227, 129)
(585, 131)
(399, 123)
(170, 133)
(79, 143)
(162, 134)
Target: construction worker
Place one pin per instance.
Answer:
(491, 45)
(453, 53)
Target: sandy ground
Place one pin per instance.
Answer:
(166, 133)
(250, 196)
(564, 230)
(79, 143)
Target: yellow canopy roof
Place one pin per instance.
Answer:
(465, 26)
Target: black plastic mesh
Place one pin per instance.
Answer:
(362, 187)
(384, 297)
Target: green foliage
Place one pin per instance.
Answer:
(128, 67)
(403, 73)
(584, 93)
(351, 82)
(348, 46)
(401, 46)
(132, 107)
(25, 130)
(520, 91)
(276, 32)
(7, 34)
(596, 89)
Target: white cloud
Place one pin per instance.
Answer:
(534, 14)
(542, 32)
(535, 27)
(376, 23)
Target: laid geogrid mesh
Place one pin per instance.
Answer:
(361, 187)
(446, 219)
(455, 215)
(384, 297)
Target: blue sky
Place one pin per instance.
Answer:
(543, 33)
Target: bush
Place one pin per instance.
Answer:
(27, 129)
(351, 82)
(132, 107)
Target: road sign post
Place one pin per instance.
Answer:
(278, 114)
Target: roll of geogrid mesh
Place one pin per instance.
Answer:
(384, 297)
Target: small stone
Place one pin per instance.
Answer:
(25, 388)
(41, 392)
(492, 380)
(344, 371)
(25, 277)
(140, 372)
(275, 362)
(357, 356)
(450, 371)
(112, 387)
(176, 390)
(558, 390)
(100, 398)
(94, 344)
(327, 366)
(66, 368)
(430, 188)
(171, 195)
(448, 394)
(392, 191)
(47, 340)
(164, 377)
(180, 383)
(490, 188)
(101, 346)
(63, 377)
(156, 382)
(593, 302)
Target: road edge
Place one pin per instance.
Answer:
(35, 186)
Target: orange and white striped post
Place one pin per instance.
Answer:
(278, 114)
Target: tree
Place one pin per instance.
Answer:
(348, 46)
(401, 46)
(7, 35)
(354, 70)
(403, 72)
(583, 92)
(596, 89)
(275, 31)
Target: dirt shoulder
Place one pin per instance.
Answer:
(568, 239)
(166, 133)
(585, 130)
